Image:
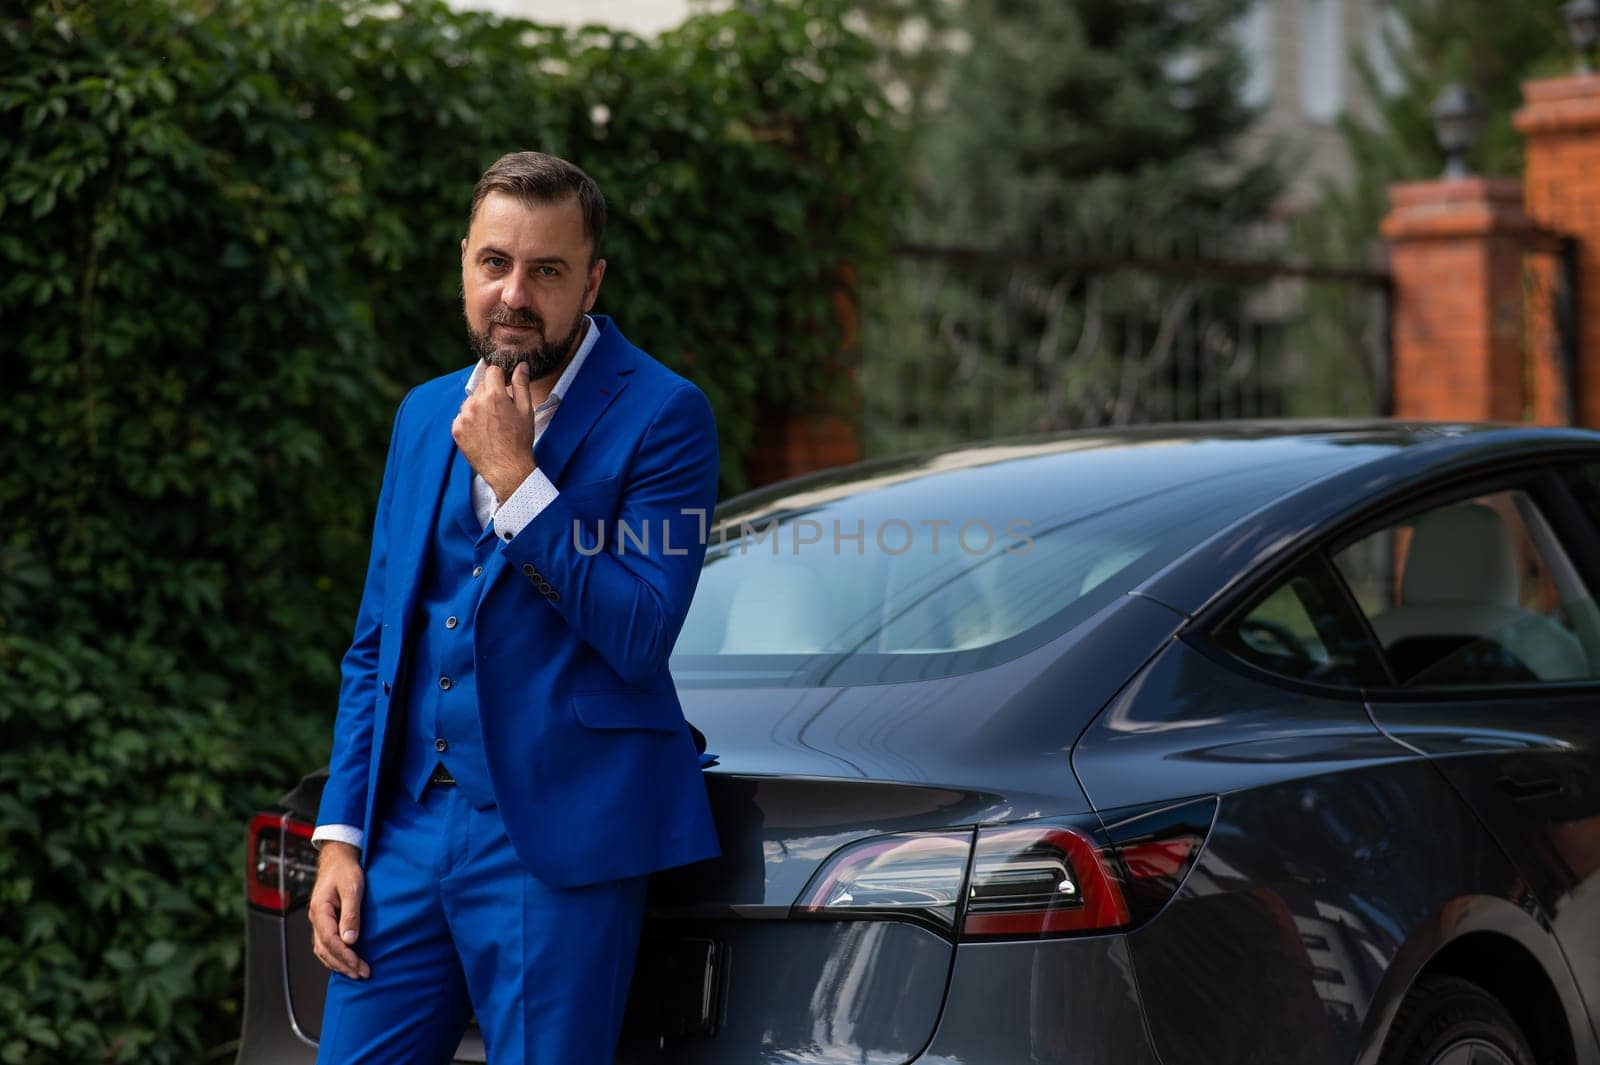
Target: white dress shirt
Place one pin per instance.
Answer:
(509, 515)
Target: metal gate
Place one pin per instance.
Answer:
(1550, 330)
(969, 344)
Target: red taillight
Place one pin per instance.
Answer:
(916, 875)
(1017, 881)
(1032, 880)
(1161, 859)
(280, 862)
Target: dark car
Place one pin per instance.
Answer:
(1198, 745)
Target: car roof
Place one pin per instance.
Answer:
(1313, 471)
(1313, 448)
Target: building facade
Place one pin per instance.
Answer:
(1303, 60)
(641, 16)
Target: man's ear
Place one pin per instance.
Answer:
(591, 290)
(463, 251)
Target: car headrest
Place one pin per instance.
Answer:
(1460, 554)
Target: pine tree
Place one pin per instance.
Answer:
(1079, 116)
(1064, 127)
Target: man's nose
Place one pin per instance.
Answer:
(515, 292)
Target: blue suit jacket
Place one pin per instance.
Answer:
(592, 763)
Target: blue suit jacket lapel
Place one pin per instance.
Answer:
(457, 495)
(601, 379)
(431, 474)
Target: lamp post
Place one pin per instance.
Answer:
(1457, 119)
(1583, 27)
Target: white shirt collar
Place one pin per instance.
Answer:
(590, 335)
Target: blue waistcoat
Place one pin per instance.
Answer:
(441, 697)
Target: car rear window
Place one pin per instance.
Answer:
(910, 577)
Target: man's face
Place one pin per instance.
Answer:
(526, 282)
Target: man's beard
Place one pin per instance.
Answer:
(542, 357)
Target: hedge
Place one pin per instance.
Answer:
(228, 238)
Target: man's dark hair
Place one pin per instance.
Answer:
(534, 177)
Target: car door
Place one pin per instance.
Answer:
(1483, 604)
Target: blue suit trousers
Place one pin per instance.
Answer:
(452, 922)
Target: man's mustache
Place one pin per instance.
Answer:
(511, 317)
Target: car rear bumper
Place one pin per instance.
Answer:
(1009, 1003)
(880, 996)
(1067, 1000)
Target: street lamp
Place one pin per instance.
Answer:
(1583, 26)
(1457, 118)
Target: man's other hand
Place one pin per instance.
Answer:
(336, 909)
(494, 429)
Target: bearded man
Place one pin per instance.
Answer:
(509, 758)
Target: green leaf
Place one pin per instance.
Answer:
(159, 953)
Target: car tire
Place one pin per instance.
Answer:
(1450, 1021)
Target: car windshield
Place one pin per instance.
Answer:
(925, 571)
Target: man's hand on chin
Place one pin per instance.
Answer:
(336, 909)
(494, 429)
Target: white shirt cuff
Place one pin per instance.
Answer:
(531, 496)
(338, 833)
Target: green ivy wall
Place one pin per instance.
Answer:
(228, 244)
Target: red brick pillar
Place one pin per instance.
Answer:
(1457, 250)
(1560, 124)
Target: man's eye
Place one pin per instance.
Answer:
(494, 262)
(548, 271)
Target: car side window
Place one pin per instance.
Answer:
(1583, 481)
(1475, 593)
(1304, 628)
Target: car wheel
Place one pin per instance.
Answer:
(1450, 1021)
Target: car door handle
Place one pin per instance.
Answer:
(1532, 788)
